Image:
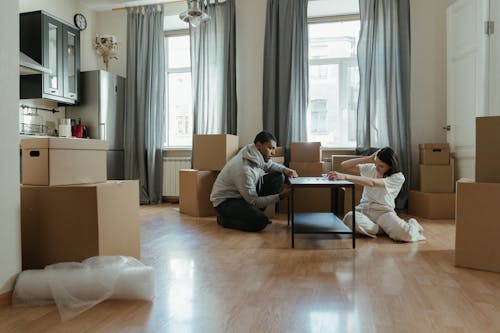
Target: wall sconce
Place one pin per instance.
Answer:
(106, 46)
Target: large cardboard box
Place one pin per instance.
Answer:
(434, 153)
(308, 169)
(279, 152)
(431, 205)
(487, 151)
(312, 200)
(344, 204)
(337, 161)
(477, 226)
(63, 161)
(436, 178)
(75, 222)
(305, 151)
(195, 187)
(212, 151)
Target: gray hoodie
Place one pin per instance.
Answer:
(239, 178)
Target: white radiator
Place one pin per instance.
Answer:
(171, 167)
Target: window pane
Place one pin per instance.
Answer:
(179, 55)
(333, 83)
(180, 110)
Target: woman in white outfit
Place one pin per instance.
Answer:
(382, 181)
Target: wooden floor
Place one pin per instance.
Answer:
(211, 279)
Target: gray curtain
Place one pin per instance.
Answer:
(213, 68)
(144, 108)
(286, 71)
(384, 92)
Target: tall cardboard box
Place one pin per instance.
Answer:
(311, 199)
(337, 161)
(195, 187)
(63, 161)
(434, 153)
(487, 149)
(75, 222)
(436, 178)
(305, 152)
(431, 205)
(345, 198)
(307, 169)
(212, 151)
(477, 226)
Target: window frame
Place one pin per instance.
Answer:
(167, 34)
(342, 63)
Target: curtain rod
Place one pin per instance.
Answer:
(159, 3)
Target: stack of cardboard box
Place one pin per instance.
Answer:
(69, 212)
(344, 203)
(436, 198)
(210, 154)
(305, 158)
(477, 221)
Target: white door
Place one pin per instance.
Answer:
(494, 60)
(467, 97)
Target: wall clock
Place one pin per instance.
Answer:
(80, 21)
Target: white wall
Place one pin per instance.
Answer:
(66, 10)
(428, 75)
(10, 242)
(250, 30)
(114, 23)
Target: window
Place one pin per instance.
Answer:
(333, 82)
(179, 108)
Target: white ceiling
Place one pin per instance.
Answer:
(100, 5)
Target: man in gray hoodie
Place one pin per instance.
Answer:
(240, 194)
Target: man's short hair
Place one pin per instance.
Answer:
(263, 137)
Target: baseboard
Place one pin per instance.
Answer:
(5, 299)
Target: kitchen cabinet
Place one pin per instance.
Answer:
(55, 45)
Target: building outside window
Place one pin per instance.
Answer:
(333, 82)
(179, 107)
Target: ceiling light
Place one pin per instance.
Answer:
(194, 15)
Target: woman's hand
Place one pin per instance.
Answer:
(290, 173)
(372, 156)
(334, 175)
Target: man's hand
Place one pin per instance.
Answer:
(285, 191)
(334, 175)
(290, 173)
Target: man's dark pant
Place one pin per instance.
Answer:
(239, 214)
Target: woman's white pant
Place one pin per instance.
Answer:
(371, 222)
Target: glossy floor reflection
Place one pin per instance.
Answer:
(211, 279)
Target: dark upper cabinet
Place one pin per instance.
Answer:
(55, 45)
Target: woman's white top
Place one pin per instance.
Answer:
(383, 196)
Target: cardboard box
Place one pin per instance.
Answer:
(436, 178)
(337, 161)
(487, 155)
(434, 153)
(431, 205)
(212, 151)
(279, 159)
(312, 200)
(75, 222)
(305, 151)
(307, 169)
(195, 187)
(477, 226)
(279, 152)
(344, 204)
(63, 161)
